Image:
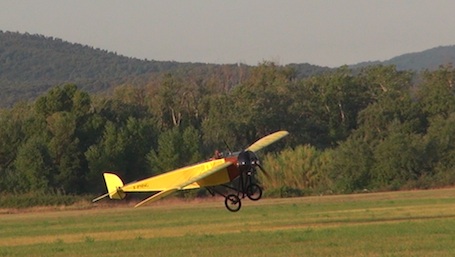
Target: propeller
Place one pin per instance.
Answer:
(263, 171)
(247, 160)
(267, 140)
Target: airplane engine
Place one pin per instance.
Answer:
(247, 161)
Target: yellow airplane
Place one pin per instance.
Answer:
(220, 170)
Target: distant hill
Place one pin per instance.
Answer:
(31, 64)
(429, 59)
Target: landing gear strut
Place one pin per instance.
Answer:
(246, 187)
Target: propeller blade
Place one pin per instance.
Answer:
(267, 140)
(263, 171)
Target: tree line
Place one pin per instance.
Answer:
(376, 129)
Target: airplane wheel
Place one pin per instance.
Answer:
(254, 192)
(232, 203)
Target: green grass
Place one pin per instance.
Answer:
(412, 223)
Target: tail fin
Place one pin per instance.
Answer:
(114, 186)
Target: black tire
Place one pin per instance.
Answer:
(232, 203)
(254, 192)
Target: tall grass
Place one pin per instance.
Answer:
(303, 170)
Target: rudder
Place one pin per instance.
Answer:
(114, 186)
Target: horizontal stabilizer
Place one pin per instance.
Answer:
(100, 197)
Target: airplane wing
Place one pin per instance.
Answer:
(180, 186)
(267, 140)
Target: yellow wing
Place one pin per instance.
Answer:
(267, 140)
(183, 185)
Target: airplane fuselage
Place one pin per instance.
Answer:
(165, 180)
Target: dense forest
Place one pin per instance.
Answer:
(374, 129)
(69, 112)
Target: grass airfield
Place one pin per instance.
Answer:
(407, 223)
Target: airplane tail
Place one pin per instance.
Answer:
(114, 187)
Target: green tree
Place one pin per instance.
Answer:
(399, 158)
(440, 142)
(123, 150)
(436, 93)
(381, 81)
(64, 148)
(58, 99)
(219, 123)
(390, 99)
(168, 155)
(175, 149)
(33, 167)
(261, 103)
(17, 126)
(105, 156)
(191, 145)
(374, 120)
(11, 135)
(175, 103)
(326, 107)
(140, 136)
(351, 166)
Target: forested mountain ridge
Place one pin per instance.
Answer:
(429, 59)
(31, 64)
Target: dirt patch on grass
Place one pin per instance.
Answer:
(175, 202)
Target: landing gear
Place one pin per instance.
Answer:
(246, 187)
(232, 203)
(254, 192)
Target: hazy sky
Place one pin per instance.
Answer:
(321, 32)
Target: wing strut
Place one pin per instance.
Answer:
(157, 196)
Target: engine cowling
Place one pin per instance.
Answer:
(247, 161)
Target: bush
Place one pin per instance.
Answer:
(32, 200)
(285, 191)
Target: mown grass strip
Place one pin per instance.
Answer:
(417, 223)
